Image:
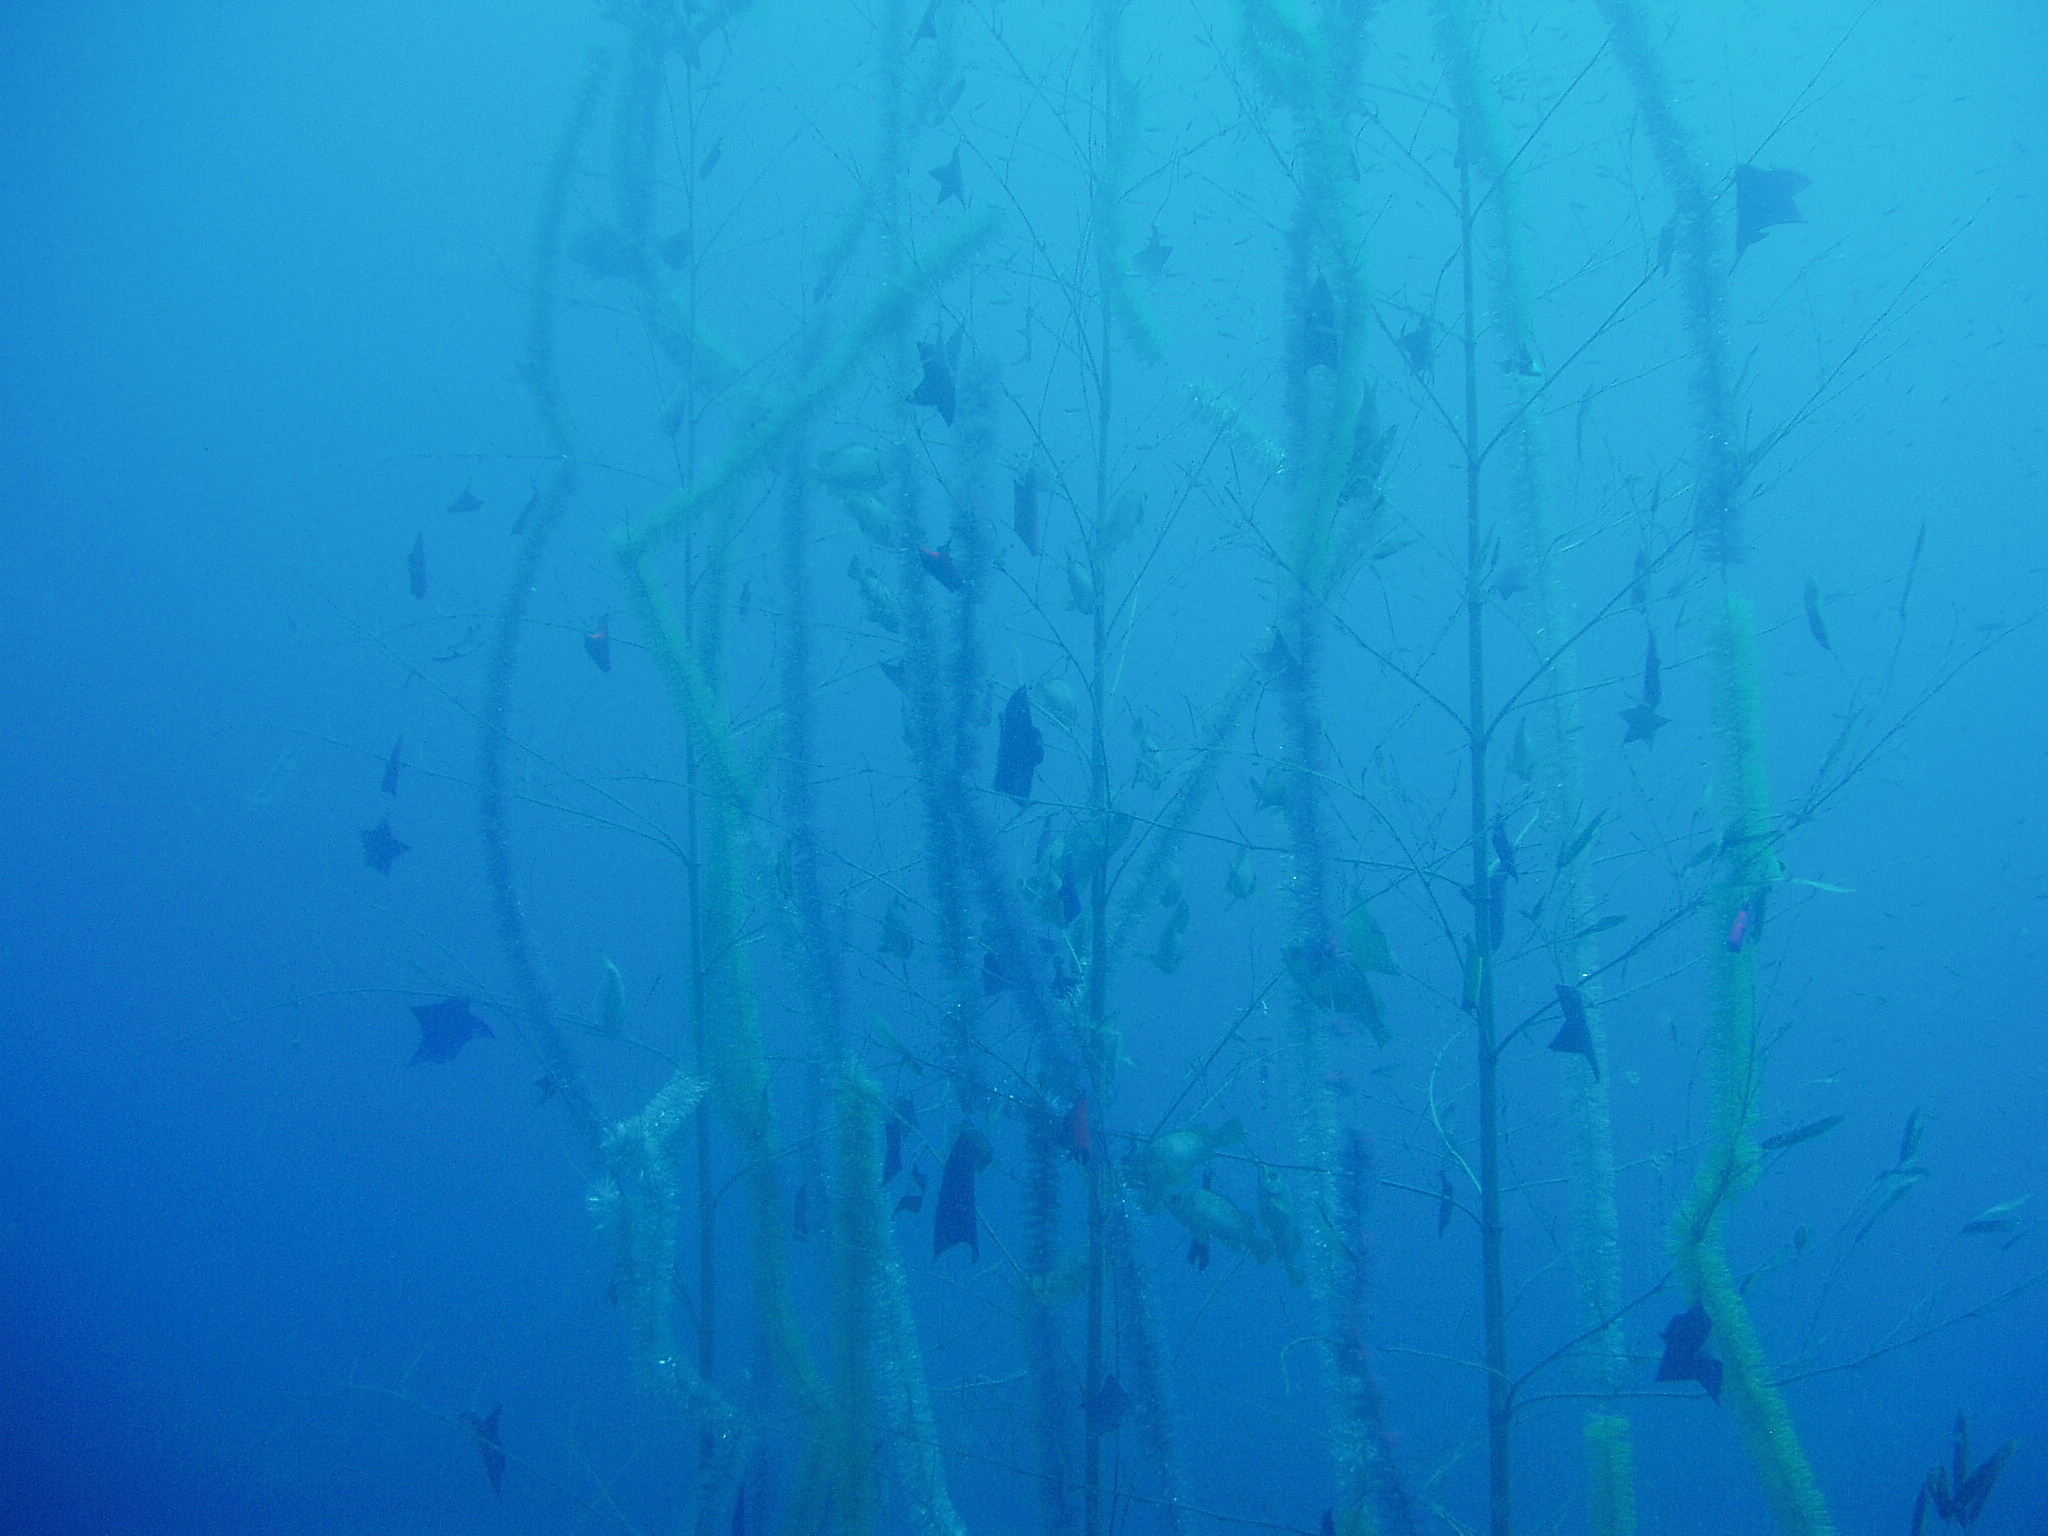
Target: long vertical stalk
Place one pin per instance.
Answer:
(1492, 1229)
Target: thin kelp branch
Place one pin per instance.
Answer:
(515, 933)
(1309, 60)
(1746, 860)
(1481, 993)
(1559, 774)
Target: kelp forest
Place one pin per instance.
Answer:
(1146, 775)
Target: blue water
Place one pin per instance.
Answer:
(265, 279)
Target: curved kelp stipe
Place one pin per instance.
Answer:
(1747, 861)
(1309, 60)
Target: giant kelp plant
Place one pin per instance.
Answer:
(1137, 785)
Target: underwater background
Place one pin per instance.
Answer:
(1023, 765)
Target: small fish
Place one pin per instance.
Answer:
(464, 502)
(611, 999)
(597, 645)
(1020, 748)
(1653, 673)
(902, 1117)
(1575, 1035)
(957, 1220)
(392, 765)
(526, 512)
(951, 185)
(1521, 761)
(1642, 723)
(928, 27)
(1764, 199)
(1024, 513)
(1578, 844)
(1685, 1337)
(941, 567)
(416, 566)
(1639, 583)
(445, 1028)
(1816, 625)
(1077, 1131)
(489, 1446)
(1799, 1133)
(1739, 930)
(676, 250)
(380, 849)
(935, 387)
(710, 161)
(2001, 1218)
(1276, 1215)
(1209, 1217)
(1911, 1137)
(1504, 850)
(1167, 1159)
(1106, 1407)
(1150, 259)
(1417, 345)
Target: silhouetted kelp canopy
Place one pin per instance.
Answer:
(1168, 598)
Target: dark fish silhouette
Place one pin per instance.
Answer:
(445, 1028)
(928, 28)
(914, 1201)
(1799, 1133)
(1816, 625)
(1418, 346)
(1642, 722)
(957, 1219)
(941, 566)
(526, 512)
(711, 159)
(1958, 1492)
(597, 645)
(902, 1117)
(465, 502)
(677, 249)
(1150, 258)
(416, 566)
(1106, 1407)
(1077, 1130)
(1020, 748)
(948, 178)
(1763, 200)
(391, 766)
(1642, 718)
(381, 849)
(488, 1445)
(1574, 1035)
(1024, 515)
(935, 389)
(1685, 1359)
(1504, 850)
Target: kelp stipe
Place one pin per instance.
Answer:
(515, 936)
(1746, 861)
(1309, 61)
(639, 1200)
(1559, 777)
